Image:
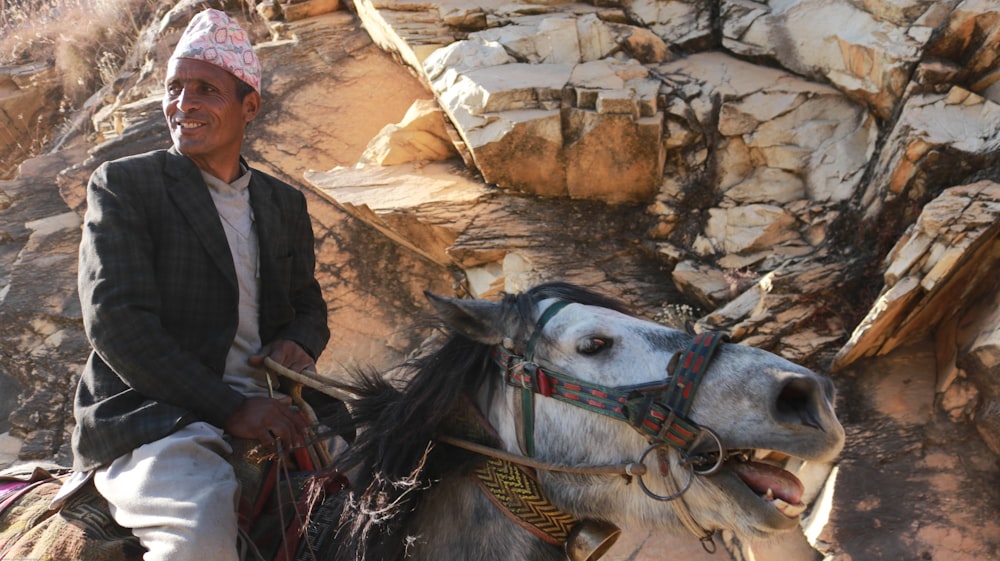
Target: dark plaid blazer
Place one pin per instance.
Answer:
(159, 297)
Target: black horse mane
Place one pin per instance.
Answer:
(393, 455)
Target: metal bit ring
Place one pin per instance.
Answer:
(653, 495)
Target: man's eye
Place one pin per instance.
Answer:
(593, 345)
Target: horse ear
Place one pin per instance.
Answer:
(479, 320)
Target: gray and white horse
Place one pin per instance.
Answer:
(550, 418)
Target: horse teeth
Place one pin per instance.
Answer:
(769, 495)
(788, 510)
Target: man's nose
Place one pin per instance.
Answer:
(186, 100)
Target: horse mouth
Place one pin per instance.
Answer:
(763, 473)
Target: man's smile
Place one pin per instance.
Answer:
(188, 124)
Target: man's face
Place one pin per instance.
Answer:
(205, 116)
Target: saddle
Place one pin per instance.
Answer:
(285, 512)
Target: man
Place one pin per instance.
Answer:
(193, 268)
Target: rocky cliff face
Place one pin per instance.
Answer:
(818, 178)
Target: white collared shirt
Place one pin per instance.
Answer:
(232, 200)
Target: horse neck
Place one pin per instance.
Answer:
(456, 521)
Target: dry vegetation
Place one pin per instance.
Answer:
(85, 44)
(86, 40)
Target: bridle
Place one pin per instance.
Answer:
(660, 411)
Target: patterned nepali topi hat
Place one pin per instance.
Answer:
(214, 37)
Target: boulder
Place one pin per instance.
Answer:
(421, 136)
(301, 9)
(980, 361)
(423, 207)
(685, 23)
(499, 243)
(938, 139)
(745, 229)
(855, 47)
(27, 93)
(967, 48)
(770, 132)
(925, 274)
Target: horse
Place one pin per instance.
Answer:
(536, 426)
(547, 420)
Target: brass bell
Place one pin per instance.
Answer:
(591, 539)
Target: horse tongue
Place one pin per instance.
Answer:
(760, 477)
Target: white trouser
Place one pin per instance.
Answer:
(178, 495)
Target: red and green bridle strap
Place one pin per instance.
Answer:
(659, 411)
(528, 395)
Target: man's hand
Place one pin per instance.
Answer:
(265, 419)
(286, 353)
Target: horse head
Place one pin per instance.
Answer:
(571, 385)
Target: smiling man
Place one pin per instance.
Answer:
(194, 267)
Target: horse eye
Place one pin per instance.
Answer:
(593, 345)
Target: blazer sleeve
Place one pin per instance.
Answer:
(121, 298)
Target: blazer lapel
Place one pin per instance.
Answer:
(191, 196)
(267, 217)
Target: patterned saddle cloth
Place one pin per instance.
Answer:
(286, 514)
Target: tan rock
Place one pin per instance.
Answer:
(417, 206)
(10, 446)
(548, 40)
(516, 149)
(511, 118)
(294, 11)
(959, 401)
(27, 93)
(980, 358)
(706, 285)
(644, 45)
(772, 313)
(594, 172)
(269, 10)
(860, 52)
(677, 22)
(771, 119)
(928, 281)
(937, 138)
(463, 16)
(750, 228)
(969, 42)
(508, 113)
(767, 185)
(421, 136)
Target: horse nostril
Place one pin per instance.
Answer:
(798, 402)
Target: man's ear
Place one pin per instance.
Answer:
(251, 106)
